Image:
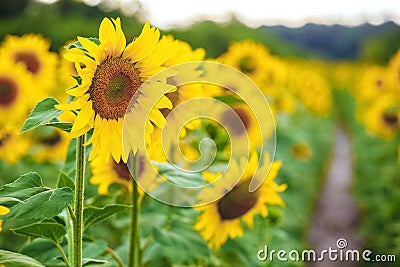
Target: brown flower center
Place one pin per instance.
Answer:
(237, 202)
(174, 98)
(379, 83)
(51, 140)
(244, 116)
(30, 60)
(390, 119)
(122, 169)
(301, 151)
(113, 85)
(8, 91)
(247, 65)
(4, 138)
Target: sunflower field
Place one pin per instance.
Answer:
(125, 145)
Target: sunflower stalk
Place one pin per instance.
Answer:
(70, 234)
(78, 202)
(134, 255)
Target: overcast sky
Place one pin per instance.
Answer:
(168, 13)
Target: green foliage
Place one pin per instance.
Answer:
(380, 47)
(65, 181)
(215, 38)
(51, 203)
(30, 192)
(62, 21)
(42, 113)
(93, 215)
(179, 177)
(45, 251)
(64, 126)
(376, 185)
(11, 259)
(47, 229)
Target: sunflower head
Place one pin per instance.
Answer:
(248, 57)
(13, 146)
(15, 98)
(32, 52)
(381, 117)
(301, 151)
(49, 144)
(222, 219)
(104, 175)
(112, 73)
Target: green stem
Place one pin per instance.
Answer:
(78, 203)
(147, 242)
(134, 241)
(115, 257)
(64, 257)
(70, 234)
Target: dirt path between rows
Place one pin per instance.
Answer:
(336, 216)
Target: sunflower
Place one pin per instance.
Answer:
(32, 51)
(250, 131)
(248, 57)
(311, 88)
(112, 73)
(221, 219)
(14, 95)
(269, 72)
(301, 151)
(382, 117)
(3, 211)
(182, 52)
(374, 82)
(13, 146)
(49, 144)
(114, 172)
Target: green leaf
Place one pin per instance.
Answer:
(229, 99)
(179, 239)
(12, 259)
(93, 215)
(41, 113)
(50, 230)
(45, 251)
(77, 44)
(42, 250)
(65, 181)
(24, 187)
(46, 204)
(88, 261)
(9, 201)
(93, 249)
(28, 198)
(179, 177)
(64, 126)
(28, 180)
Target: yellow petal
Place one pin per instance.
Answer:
(92, 48)
(4, 210)
(144, 45)
(84, 116)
